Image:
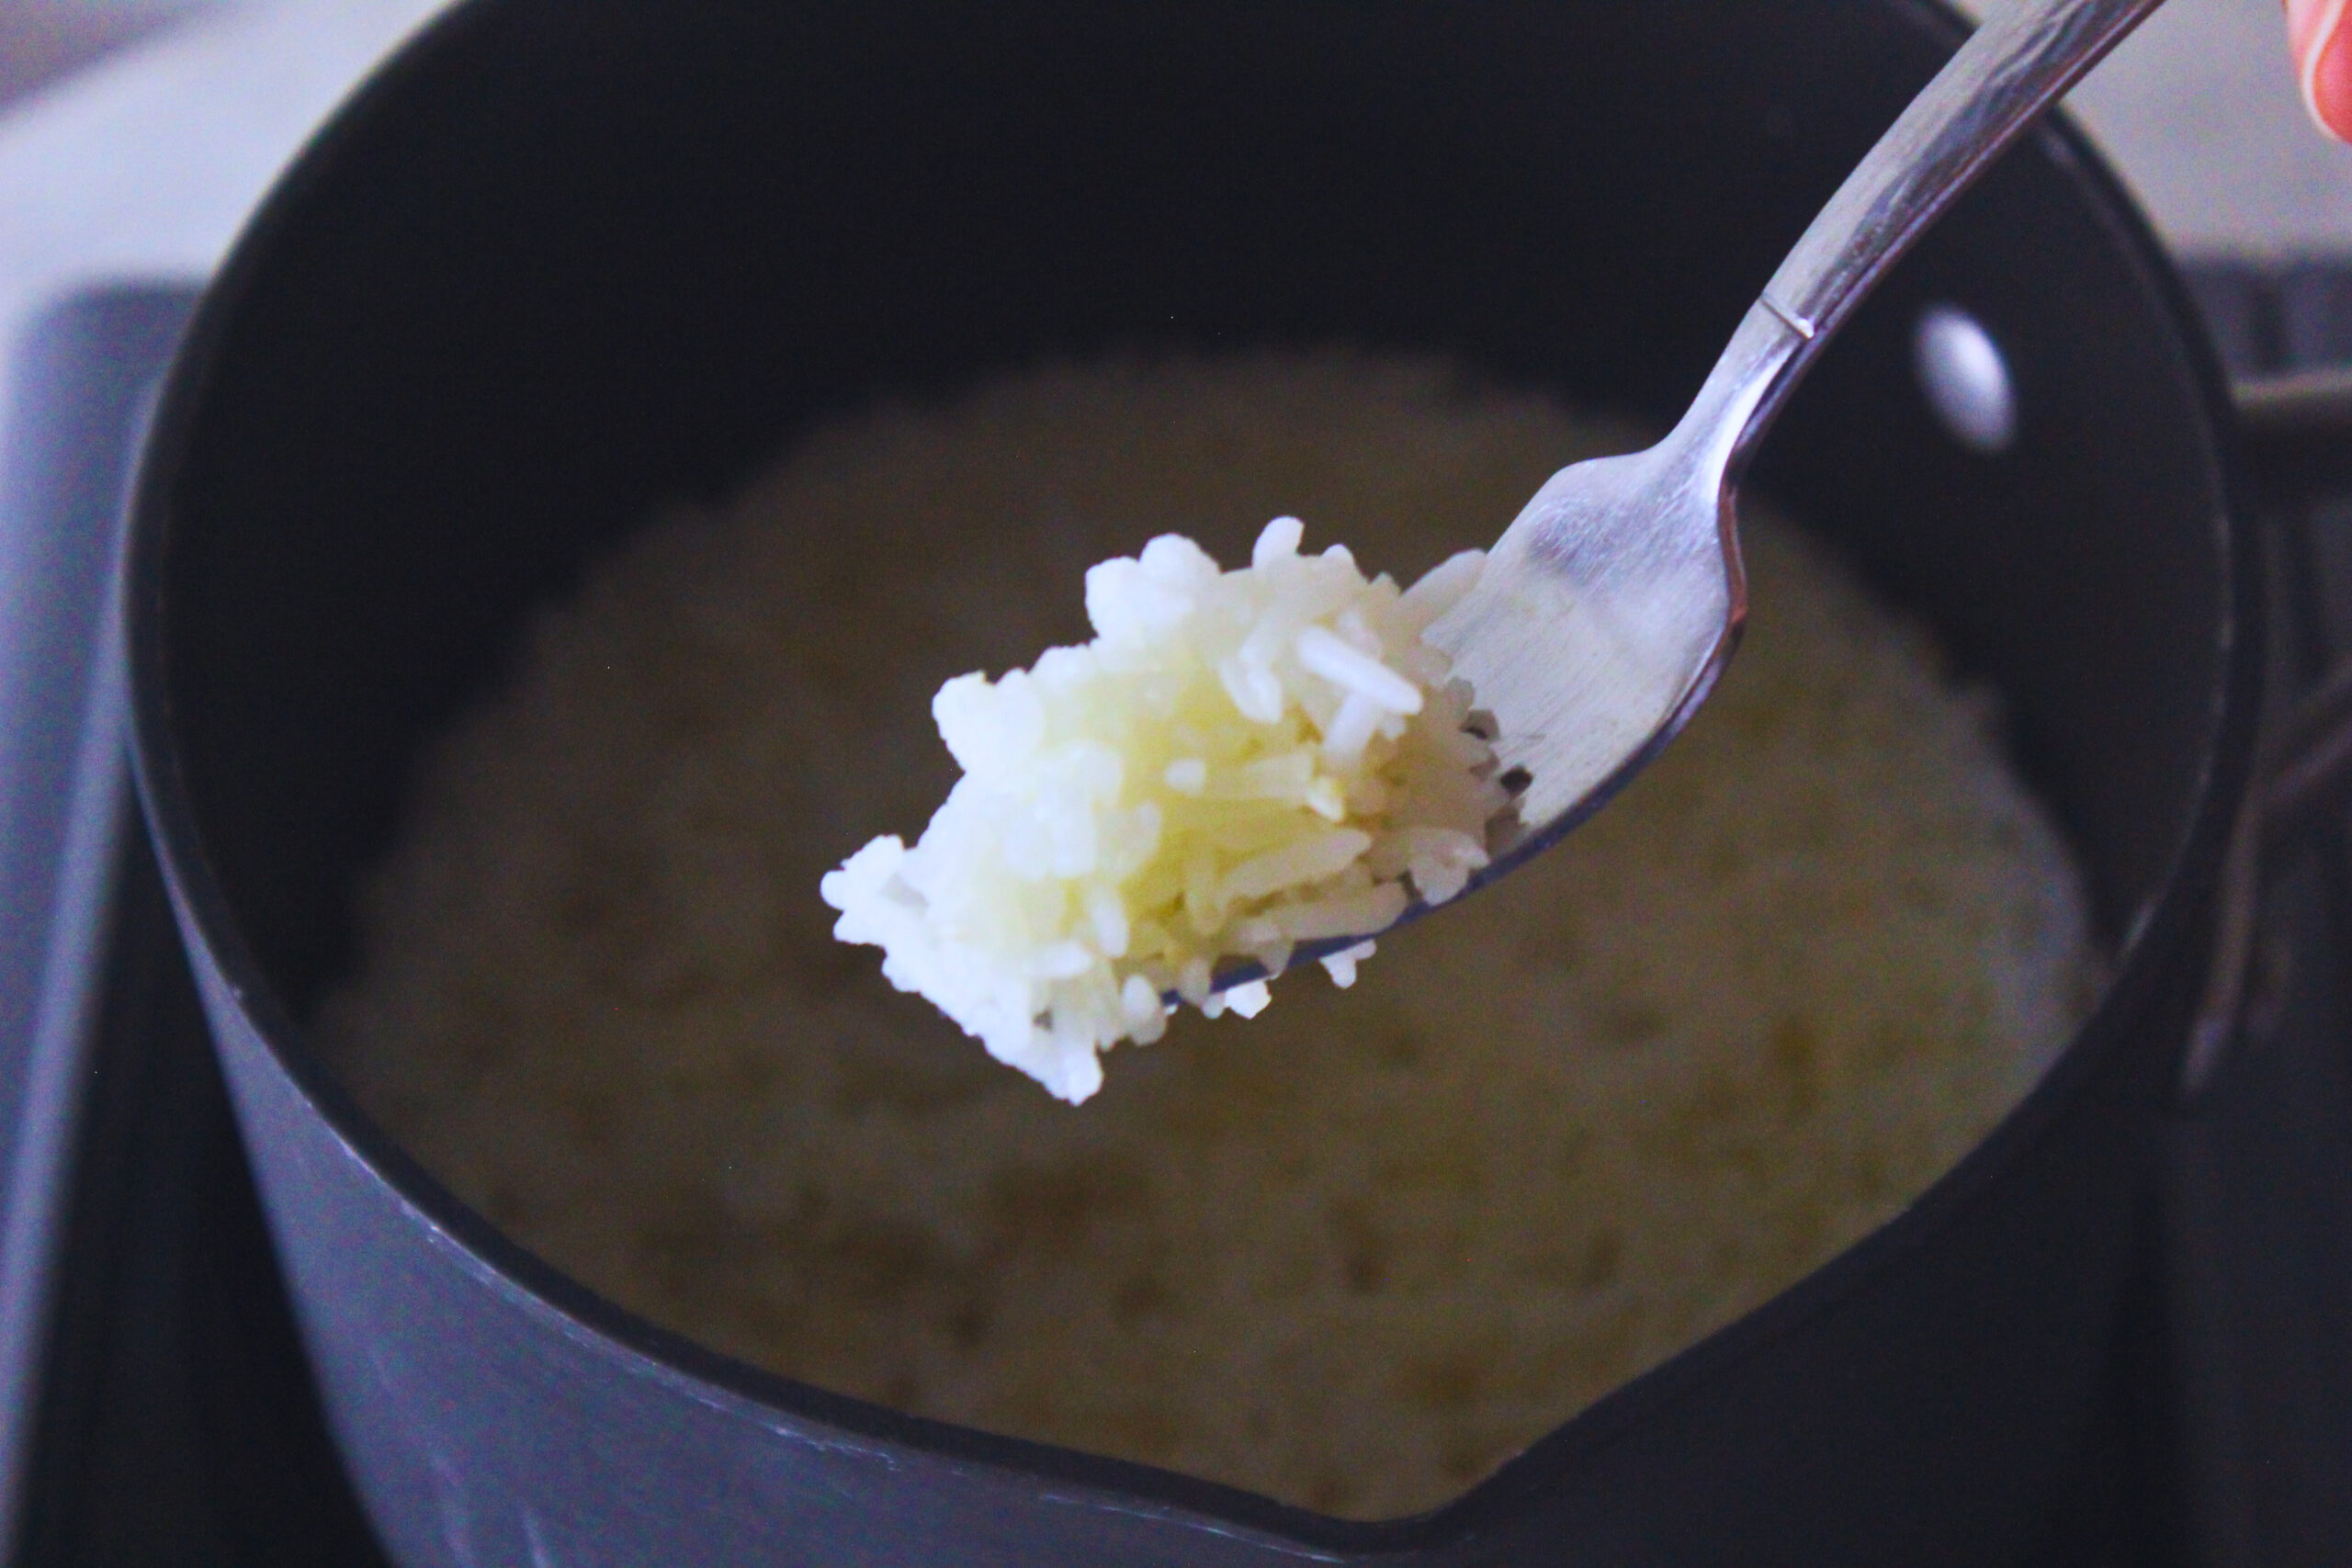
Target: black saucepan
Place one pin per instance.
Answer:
(563, 263)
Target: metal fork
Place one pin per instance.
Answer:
(1608, 609)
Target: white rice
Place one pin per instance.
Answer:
(1238, 761)
(1356, 1252)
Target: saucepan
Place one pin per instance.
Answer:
(560, 265)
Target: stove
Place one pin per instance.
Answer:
(155, 1407)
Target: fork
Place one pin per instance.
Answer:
(1609, 607)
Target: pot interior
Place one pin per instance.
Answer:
(571, 266)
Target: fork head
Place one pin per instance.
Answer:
(1609, 607)
(1599, 624)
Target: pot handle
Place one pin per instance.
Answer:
(2300, 770)
(2259, 1452)
(2296, 432)
(2303, 775)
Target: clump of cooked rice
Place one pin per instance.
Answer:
(1239, 762)
(1352, 1258)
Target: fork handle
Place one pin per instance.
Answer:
(2003, 75)
(2023, 56)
